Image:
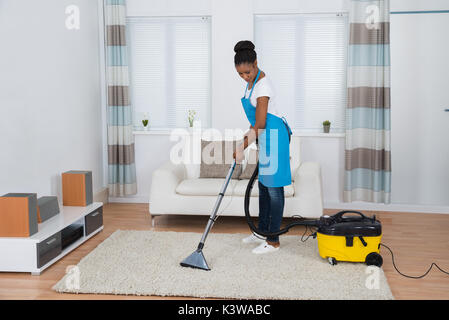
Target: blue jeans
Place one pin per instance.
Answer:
(271, 209)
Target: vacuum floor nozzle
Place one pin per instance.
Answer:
(196, 260)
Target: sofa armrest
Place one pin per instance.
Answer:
(307, 181)
(165, 179)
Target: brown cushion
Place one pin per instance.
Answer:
(250, 165)
(216, 159)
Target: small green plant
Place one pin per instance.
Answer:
(326, 126)
(145, 121)
(191, 117)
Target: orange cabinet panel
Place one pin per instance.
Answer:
(18, 215)
(77, 188)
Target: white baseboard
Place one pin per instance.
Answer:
(102, 196)
(358, 205)
(130, 199)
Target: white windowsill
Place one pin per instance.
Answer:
(152, 132)
(320, 134)
(296, 134)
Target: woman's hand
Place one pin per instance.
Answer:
(239, 154)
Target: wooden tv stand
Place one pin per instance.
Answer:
(55, 238)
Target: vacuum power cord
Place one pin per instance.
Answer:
(312, 234)
(413, 277)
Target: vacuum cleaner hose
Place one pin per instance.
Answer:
(249, 187)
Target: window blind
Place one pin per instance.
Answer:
(305, 56)
(170, 69)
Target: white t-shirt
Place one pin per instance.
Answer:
(264, 88)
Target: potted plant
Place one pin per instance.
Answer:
(326, 126)
(191, 117)
(145, 122)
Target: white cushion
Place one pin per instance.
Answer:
(204, 187)
(192, 170)
(240, 189)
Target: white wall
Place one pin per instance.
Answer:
(50, 100)
(232, 21)
(420, 82)
(418, 5)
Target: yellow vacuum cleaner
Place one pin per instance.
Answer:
(350, 238)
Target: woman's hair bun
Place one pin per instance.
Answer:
(244, 52)
(244, 45)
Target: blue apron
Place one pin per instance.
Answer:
(274, 150)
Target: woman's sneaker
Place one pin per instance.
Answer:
(254, 238)
(265, 248)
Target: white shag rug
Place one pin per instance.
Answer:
(147, 263)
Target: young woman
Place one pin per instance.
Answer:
(273, 133)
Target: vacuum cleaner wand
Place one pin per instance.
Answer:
(196, 259)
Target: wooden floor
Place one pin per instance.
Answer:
(417, 240)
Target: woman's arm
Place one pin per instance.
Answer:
(261, 118)
(261, 115)
(251, 135)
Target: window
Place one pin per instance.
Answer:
(170, 67)
(305, 55)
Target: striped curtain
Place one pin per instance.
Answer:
(368, 148)
(121, 164)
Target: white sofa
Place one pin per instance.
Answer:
(177, 189)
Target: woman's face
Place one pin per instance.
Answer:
(248, 71)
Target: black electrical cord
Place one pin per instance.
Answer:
(301, 222)
(305, 231)
(313, 234)
(413, 277)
